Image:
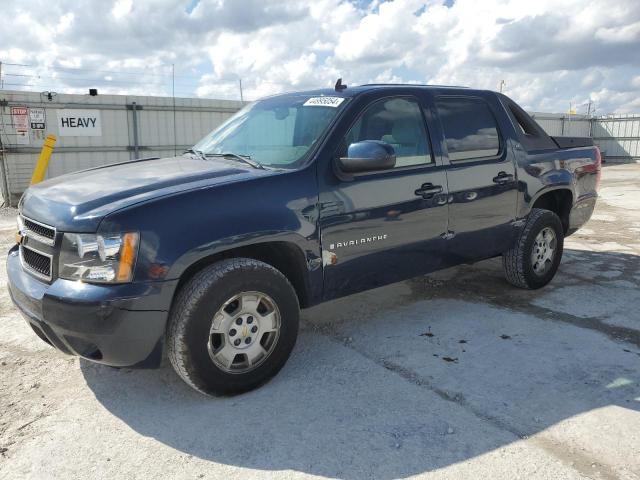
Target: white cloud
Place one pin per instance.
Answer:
(548, 52)
(121, 8)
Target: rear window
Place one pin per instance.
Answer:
(470, 128)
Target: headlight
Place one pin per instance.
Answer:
(98, 258)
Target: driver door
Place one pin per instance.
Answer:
(388, 225)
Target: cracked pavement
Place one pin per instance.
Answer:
(451, 375)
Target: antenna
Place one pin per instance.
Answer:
(339, 86)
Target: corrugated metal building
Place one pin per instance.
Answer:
(119, 128)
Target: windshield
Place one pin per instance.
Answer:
(276, 132)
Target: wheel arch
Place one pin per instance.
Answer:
(559, 200)
(285, 256)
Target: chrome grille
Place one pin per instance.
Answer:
(39, 231)
(37, 263)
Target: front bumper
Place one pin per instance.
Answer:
(118, 325)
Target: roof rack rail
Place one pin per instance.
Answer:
(410, 85)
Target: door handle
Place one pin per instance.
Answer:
(428, 190)
(503, 178)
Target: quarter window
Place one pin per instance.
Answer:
(470, 129)
(398, 122)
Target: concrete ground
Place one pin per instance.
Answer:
(454, 375)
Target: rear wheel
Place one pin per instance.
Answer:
(533, 261)
(233, 326)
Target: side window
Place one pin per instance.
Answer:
(470, 128)
(398, 122)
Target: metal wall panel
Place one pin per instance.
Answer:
(157, 136)
(559, 125)
(618, 136)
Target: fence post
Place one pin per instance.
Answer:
(43, 162)
(4, 186)
(136, 147)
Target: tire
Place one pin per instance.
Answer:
(518, 262)
(203, 326)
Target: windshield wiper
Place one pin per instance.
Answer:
(241, 158)
(198, 153)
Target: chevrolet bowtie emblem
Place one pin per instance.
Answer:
(245, 331)
(18, 237)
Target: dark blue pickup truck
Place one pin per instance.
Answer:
(297, 199)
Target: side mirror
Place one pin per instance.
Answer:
(368, 155)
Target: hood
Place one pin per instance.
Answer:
(77, 202)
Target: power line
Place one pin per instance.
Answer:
(37, 77)
(80, 69)
(168, 75)
(96, 80)
(159, 91)
(119, 72)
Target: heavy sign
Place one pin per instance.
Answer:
(37, 118)
(79, 123)
(19, 118)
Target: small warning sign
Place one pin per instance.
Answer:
(37, 118)
(20, 120)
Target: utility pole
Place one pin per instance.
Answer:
(589, 109)
(502, 85)
(4, 186)
(240, 83)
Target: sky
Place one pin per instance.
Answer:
(547, 55)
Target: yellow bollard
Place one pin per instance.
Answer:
(43, 161)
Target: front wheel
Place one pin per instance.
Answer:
(232, 326)
(533, 261)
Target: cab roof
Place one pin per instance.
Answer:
(356, 90)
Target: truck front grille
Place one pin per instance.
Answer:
(40, 231)
(37, 263)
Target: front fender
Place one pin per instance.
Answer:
(180, 230)
(223, 245)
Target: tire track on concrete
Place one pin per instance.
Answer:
(578, 461)
(493, 294)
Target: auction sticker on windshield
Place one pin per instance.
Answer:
(323, 102)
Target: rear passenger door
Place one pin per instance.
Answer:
(481, 178)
